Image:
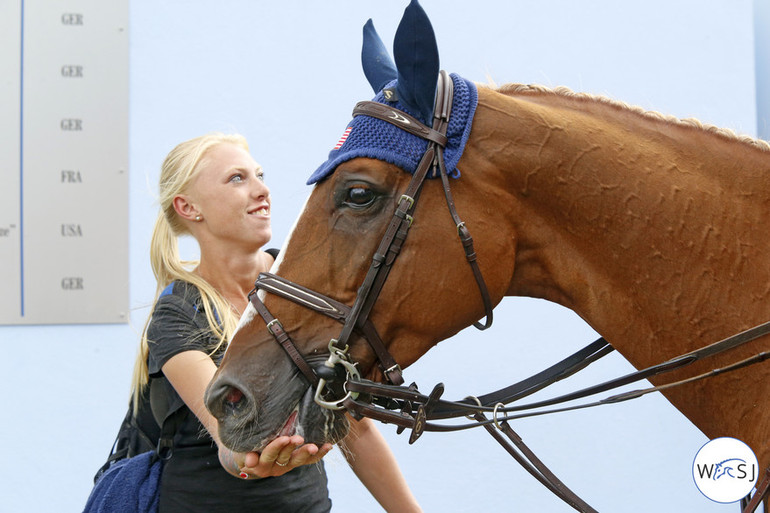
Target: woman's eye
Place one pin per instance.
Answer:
(236, 178)
(359, 196)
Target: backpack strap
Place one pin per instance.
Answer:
(142, 432)
(119, 449)
(165, 448)
(130, 440)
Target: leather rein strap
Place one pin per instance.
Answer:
(393, 398)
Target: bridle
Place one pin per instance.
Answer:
(406, 407)
(356, 318)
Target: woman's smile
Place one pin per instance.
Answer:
(263, 211)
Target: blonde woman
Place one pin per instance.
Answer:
(213, 190)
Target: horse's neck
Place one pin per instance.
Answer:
(650, 230)
(653, 232)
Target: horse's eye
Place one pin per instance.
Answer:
(359, 197)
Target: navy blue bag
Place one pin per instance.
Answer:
(130, 485)
(129, 481)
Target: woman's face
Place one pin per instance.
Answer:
(232, 198)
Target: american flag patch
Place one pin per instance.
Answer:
(343, 138)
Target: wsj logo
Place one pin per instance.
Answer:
(734, 468)
(725, 470)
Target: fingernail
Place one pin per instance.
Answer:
(244, 475)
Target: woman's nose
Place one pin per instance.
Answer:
(259, 189)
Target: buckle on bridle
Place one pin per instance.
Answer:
(270, 326)
(337, 356)
(408, 199)
(393, 368)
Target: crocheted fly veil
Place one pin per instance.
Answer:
(410, 86)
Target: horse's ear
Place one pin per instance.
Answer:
(416, 54)
(378, 66)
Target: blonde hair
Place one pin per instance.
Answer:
(179, 169)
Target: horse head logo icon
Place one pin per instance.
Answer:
(727, 467)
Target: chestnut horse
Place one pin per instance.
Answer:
(649, 228)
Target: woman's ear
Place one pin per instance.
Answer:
(185, 208)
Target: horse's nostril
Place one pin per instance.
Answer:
(222, 400)
(233, 397)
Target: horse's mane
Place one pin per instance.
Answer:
(511, 89)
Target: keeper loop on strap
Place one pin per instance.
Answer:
(403, 215)
(378, 259)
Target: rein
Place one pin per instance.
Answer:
(405, 406)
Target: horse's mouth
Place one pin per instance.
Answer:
(251, 417)
(289, 428)
(313, 423)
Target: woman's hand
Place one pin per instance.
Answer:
(190, 373)
(283, 454)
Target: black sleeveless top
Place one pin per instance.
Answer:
(193, 479)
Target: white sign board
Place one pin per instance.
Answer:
(64, 154)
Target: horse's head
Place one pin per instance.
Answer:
(430, 294)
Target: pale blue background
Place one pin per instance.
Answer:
(286, 75)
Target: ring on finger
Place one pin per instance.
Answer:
(281, 464)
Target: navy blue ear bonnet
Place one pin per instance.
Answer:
(377, 139)
(409, 85)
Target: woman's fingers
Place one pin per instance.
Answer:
(284, 452)
(282, 455)
(251, 460)
(309, 454)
